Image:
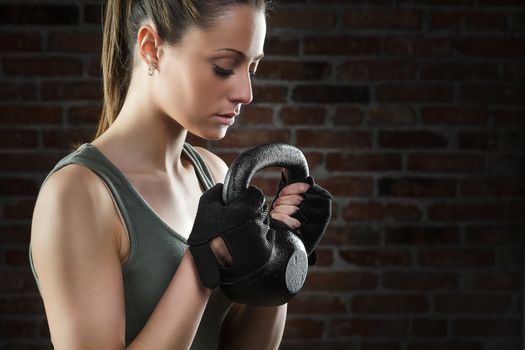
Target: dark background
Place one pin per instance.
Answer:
(410, 112)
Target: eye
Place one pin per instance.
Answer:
(222, 72)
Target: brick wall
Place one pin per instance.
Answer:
(410, 112)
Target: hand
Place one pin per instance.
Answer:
(242, 225)
(306, 208)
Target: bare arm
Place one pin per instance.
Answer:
(253, 327)
(75, 252)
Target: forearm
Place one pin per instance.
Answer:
(175, 320)
(253, 327)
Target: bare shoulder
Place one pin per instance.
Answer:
(72, 197)
(217, 166)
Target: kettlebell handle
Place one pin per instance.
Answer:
(253, 160)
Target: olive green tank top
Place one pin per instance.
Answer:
(155, 248)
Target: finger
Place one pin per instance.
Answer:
(292, 223)
(285, 209)
(295, 188)
(294, 199)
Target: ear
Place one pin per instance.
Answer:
(148, 42)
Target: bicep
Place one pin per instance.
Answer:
(75, 257)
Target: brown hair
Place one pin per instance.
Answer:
(172, 18)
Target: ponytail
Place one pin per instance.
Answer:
(115, 62)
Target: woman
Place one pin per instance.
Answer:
(110, 229)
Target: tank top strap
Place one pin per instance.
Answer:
(201, 168)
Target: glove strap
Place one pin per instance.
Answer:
(207, 266)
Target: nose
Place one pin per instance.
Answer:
(242, 90)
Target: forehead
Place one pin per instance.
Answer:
(242, 28)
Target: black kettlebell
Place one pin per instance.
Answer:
(284, 274)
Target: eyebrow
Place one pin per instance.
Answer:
(241, 54)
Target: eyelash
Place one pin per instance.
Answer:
(227, 72)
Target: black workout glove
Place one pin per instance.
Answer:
(243, 224)
(315, 211)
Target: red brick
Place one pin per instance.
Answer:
(503, 327)
(339, 139)
(19, 209)
(391, 116)
(459, 71)
(418, 47)
(504, 235)
(312, 344)
(79, 90)
(373, 70)
(492, 47)
(93, 13)
(17, 281)
(16, 328)
(279, 45)
(299, 19)
(416, 187)
(427, 327)
(422, 235)
(269, 93)
(350, 186)
(455, 115)
(424, 280)
(24, 14)
(341, 45)
(42, 66)
(439, 3)
(446, 345)
(10, 91)
(445, 162)
(481, 140)
(493, 281)
(363, 327)
(254, 115)
(288, 70)
(30, 115)
(381, 19)
(30, 161)
(376, 257)
(21, 305)
(492, 187)
(331, 94)
(19, 138)
(363, 161)
(64, 138)
(351, 235)
(340, 281)
(377, 345)
(492, 94)
(504, 117)
(469, 21)
(388, 304)
(411, 139)
(472, 303)
(504, 164)
(316, 304)
(475, 211)
(21, 42)
(251, 137)
(403, 92)
(18, 186)
(513, 71)
(512, 140)
(347, 116)
(298, 328)
(303, 115)
(78, 115)
(15, 235)
(475, 258)
(75, 41)
(379, 211)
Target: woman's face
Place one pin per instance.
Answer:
(208, 73)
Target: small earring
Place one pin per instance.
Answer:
(151, 69)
